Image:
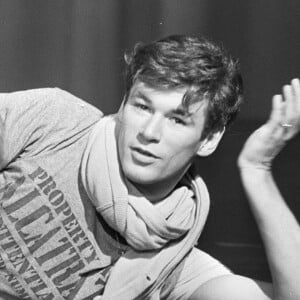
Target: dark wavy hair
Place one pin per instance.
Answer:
(181, 61)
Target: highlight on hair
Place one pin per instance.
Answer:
(203, 67)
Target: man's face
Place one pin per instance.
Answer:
(157, 137)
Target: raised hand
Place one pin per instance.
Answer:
(284, 123)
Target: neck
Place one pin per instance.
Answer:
(155, 192)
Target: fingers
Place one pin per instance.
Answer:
(278, 109)
(291, 96)
(289, 101)
(284, 121)
(295, 83)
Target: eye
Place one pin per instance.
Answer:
(178, 121)
(142, 106)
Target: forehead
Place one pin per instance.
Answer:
(167, 98)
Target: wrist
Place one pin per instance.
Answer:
(253, 165)
(253, 168)
(255, 174)
(254, 162)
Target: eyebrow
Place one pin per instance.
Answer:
(181, 111)
(142, 96)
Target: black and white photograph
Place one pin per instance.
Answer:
(149, 150)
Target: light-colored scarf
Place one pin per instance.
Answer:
(160, 235)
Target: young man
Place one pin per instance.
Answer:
(110, 208)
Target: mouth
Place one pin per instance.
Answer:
(144, 152)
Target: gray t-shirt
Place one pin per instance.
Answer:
(46, 220)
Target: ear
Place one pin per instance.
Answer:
(209, 145)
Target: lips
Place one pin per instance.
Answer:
(144, 152)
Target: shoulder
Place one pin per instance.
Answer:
(28, 96)
(42, 101)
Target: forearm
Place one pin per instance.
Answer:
(279, 230)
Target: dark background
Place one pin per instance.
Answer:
(79, 45)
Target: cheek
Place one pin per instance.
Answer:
(179, 149)
(128, 126)
(177, 159)
(125, 138)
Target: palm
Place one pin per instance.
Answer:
(266, 142)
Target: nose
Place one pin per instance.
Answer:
(151, 129)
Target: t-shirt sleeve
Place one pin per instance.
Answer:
(35, 121)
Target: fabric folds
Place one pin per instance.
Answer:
(159, 235)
